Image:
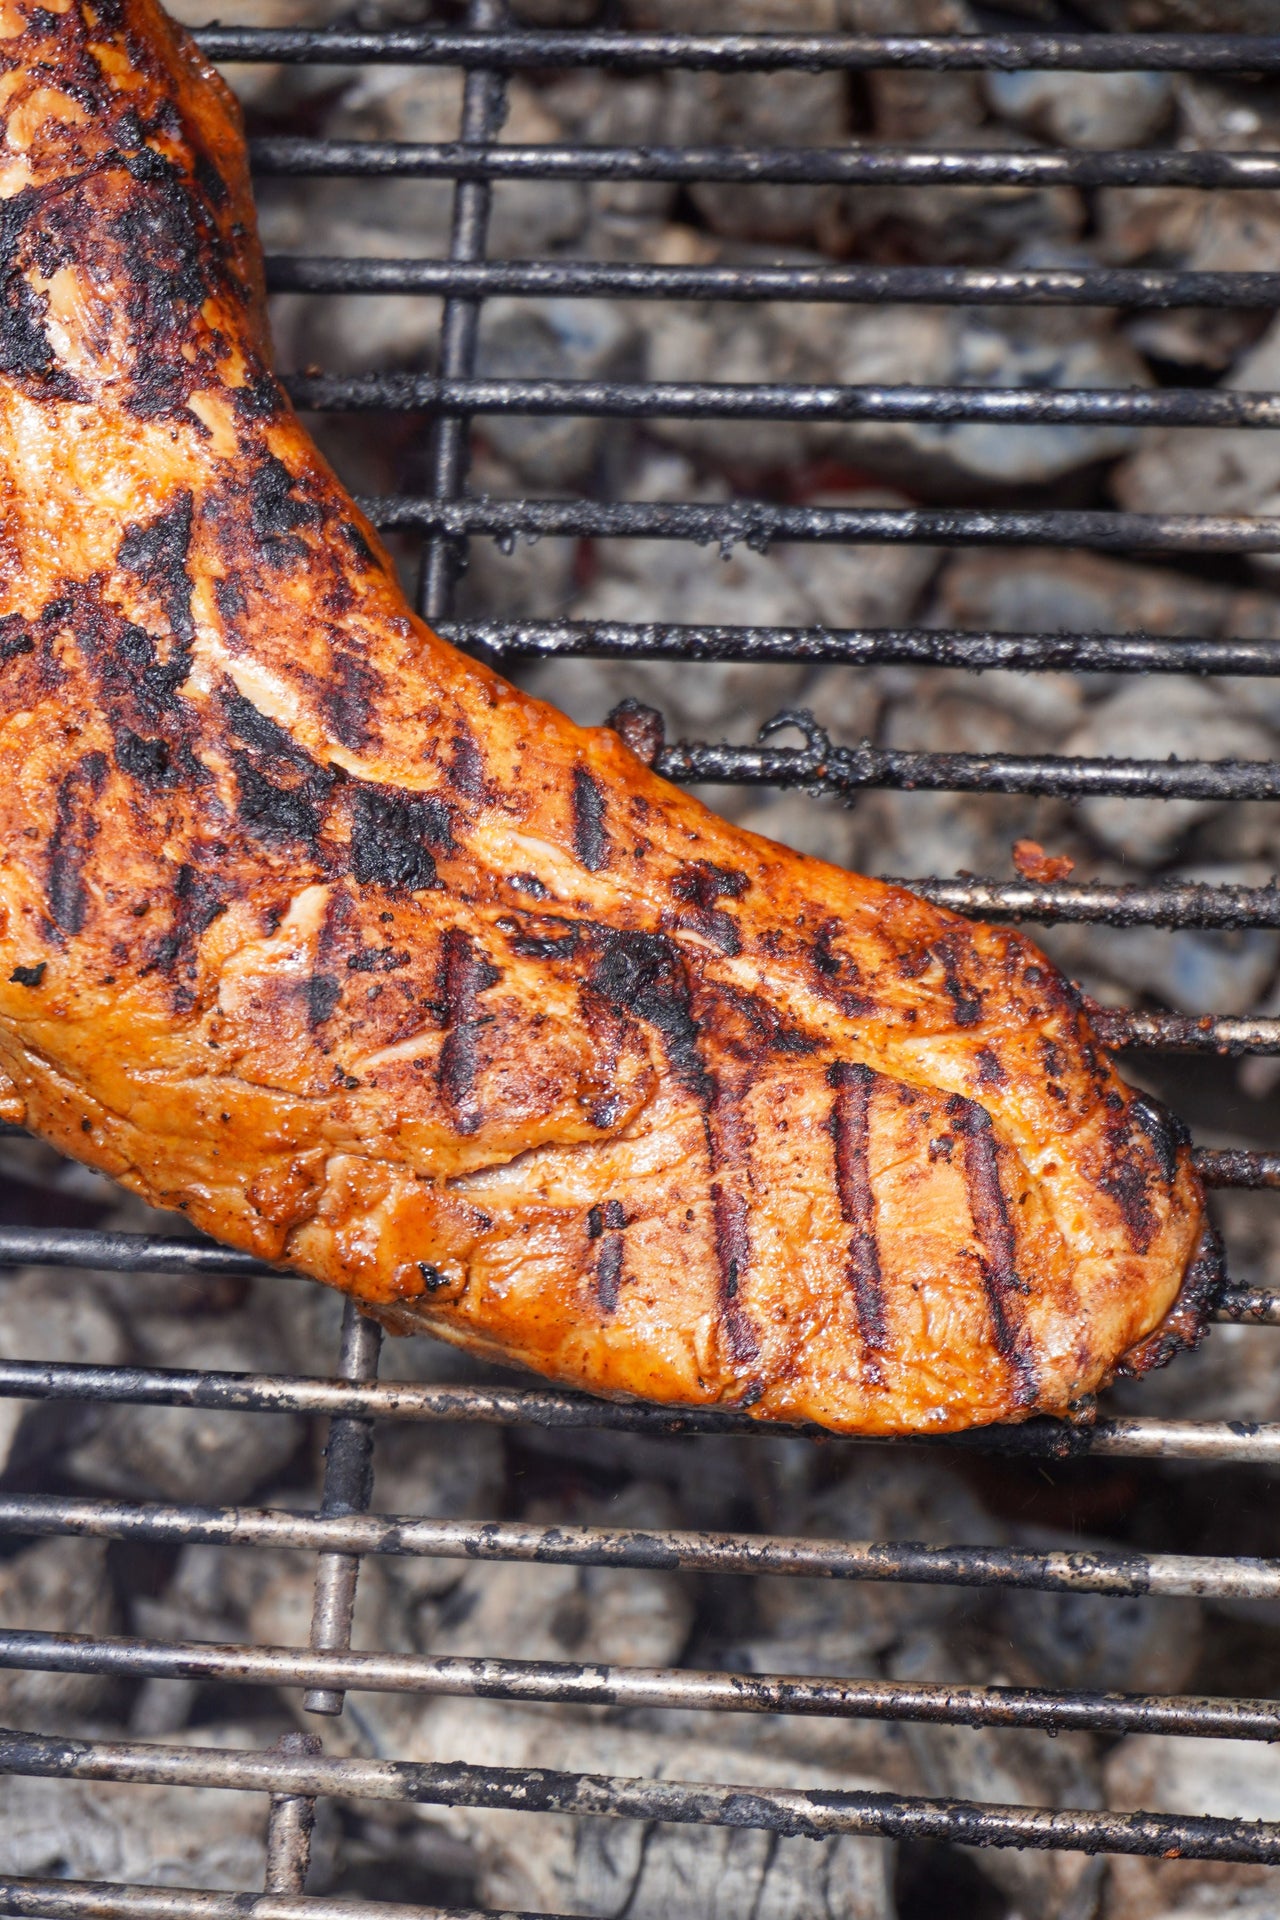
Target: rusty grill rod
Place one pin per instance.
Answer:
(549, 1682)
(345, 1401)
(633, 52)
(669, 1550)
(790, 1812)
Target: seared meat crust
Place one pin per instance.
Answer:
(376, 967)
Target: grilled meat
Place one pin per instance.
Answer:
(376, 967)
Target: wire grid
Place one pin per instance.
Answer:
(342, 1530)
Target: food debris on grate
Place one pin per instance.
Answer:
(911, 389)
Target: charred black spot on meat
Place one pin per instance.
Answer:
(16, 638)
(377, 960)
(642, 975)
(390, 832)
(827, 961)
(363, 552)
(850, 1134)
(273, 813)
(609, 1273)
(997, 1247)
(209, 179)
(465, 769)
(991, 1072)
(25, 351)
(714, 925)
(965, 996)
(196, 903)
(464, 975)
(143, 760)
(547, 938)
(1166, 1132)
(615, 1215)
(702, 883)
(157, 554)
(590, 841)
(276, 514)
(75, 830)
(268, 740)
(595, 1223)
(29, 976)
(231, 603)
(323, 992)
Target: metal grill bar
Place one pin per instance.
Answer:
(483, 106)
(696, 400)
(813, 1816)
(1138, 287)
(845, 770)
(348, 1488)
(966, 648)
(291, 155)
(560, 1683)
(92, 1248)
(107, 1900)
(759, 525)
(1223, 1441)
(1172, 1574)
(634, 52)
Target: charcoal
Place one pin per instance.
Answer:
(58, 1586)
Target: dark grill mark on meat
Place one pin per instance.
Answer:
(702, 883)
(157, 554)
(966, 1000)
(712, 924)
(997, 1248)
(595, 1223)
(590, 841)
(727, 1147)
(464, 975)
(197, 903)
(609, 1273)
(466, 766)
(642, 976)
(75, 830)
(29, 976)
(850, 1133)
(389, 835)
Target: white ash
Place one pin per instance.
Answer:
(1218, 471)
(161, 1836)
(1010, 1767)
(60, 1585)
(51, 1317)
(1226, 1779)
(178, 1453)
(1147, 721)
(1104, 110)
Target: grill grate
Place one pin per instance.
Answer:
(342, 1530)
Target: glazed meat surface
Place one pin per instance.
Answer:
(376, 967)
